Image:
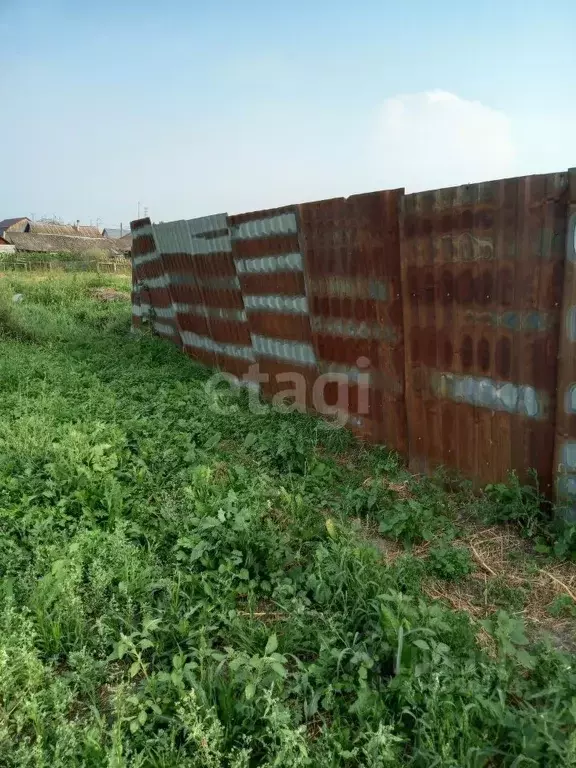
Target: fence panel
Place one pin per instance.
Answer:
(353, 275)
(482, 272)
(565, 453)
(206, 296)
(149, 291)
(441, 308)
(269, 265)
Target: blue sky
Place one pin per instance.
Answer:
(195, 107)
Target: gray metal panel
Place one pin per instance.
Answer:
(298, 352)
(280, 224)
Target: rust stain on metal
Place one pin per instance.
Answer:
(455, 306)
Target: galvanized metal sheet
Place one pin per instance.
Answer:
(269, 264)
(285, 262)
(266, 225)
(297, 305)
(282, 349)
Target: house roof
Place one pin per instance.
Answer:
(42, 228)
(46, 243)
(125, 243)
(5, 223)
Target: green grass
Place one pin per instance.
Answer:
(183, 588)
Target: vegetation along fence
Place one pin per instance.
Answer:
(457, 306)
(35, 265)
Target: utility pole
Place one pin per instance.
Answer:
(138, 208)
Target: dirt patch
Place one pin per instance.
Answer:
(265, 611)
(110, 294)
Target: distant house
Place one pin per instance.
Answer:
(71, 230)
(6, 247)
(18, 224)
(41, 242)
(125, 243)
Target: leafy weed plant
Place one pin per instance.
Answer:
(171, 594)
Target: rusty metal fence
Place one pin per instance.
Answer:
(456, 306)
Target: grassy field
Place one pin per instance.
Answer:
(183, 588)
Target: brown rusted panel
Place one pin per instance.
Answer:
(345, 350)
(354, 294)
(201, 355)
(413, 295)
(230, 332)
(460, 219)
(565, 428)
(289, 379)
(482, 266)
(266, 246)
(139, 224)
(142, 245)
(453, 312)
(178, 263)
(240, 369)
(149, 270)
(225, 299)
(275, 283)
(186, 294)
(214, 265)
(194, 323)
(280, 325)
(268, 259)
(156, 297)
(487, 293)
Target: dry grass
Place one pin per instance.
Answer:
(265, 611)
(400, 489)
(502, 560)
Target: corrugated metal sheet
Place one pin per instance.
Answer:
(187, 266)
(565, 457)
(270, 267)
(352, 253)
(438, 312)
(482, 275)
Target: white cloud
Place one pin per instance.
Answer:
(437, 139)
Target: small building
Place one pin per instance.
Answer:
(70, 230)
(35, 242)
(6, 247)
(18, 224)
